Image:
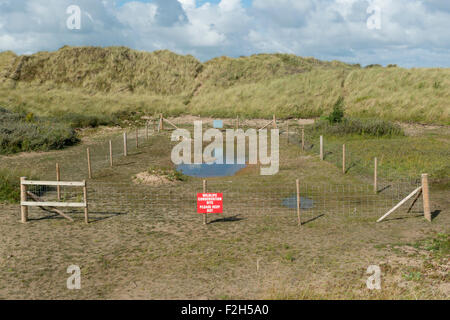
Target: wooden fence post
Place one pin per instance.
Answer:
(287, 129)
(343, 159)
(58, 178)
(125, 147)
(86, 216)
(88, 151)
(23, 198)
(298, 203)
(137, 138)
(161, 122)
(426, 197)
(274, 122)
(375, 176)
(303, 139)
(110, 154)
(321, 148)
(205, 216)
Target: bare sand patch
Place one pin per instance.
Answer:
(151, 179)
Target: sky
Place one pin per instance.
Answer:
(409, 33)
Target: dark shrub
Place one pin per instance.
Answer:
(18, 134)
(78, 121)
(374, 66)
(337, 115)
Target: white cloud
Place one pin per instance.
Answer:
(413, 32)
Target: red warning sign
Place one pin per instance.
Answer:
(209, 203)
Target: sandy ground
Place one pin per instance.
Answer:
(147, 242)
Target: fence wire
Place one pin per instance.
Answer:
(256, 199)
(172, 202)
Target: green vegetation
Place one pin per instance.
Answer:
(337, 115)
(337, 124)
(9, 187)
(87, 121)
(438, 246)
(25, 132)
(170, 174)
(102, 82)
(399, 157)
(363, 127)
(413, 276)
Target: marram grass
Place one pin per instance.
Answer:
(99, 81)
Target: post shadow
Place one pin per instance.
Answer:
(383, 189)
(235, 218)
(435, 214)
(313, 219)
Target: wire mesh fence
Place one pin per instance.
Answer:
(258, 198)
(249, 201)
(356, 157)
(73, 164)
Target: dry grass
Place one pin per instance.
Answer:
(115, 69)
(98, 81)
(410, 95)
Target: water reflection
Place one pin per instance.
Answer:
(305, 203)
(214, 169)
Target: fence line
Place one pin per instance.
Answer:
(253, 200)
(343, 157)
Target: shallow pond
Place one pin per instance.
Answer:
(305, 203)
(211, 170)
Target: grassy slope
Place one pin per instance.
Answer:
(309, 94)
(416, 95)
(96, 81)
(115, 69)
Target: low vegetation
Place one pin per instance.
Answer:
(399, 156)
(158, 176)
(10, 184)
(9, 187)
(362, 127)
(337, 124)
(25, 132)
(438, 246)
(77, 121)
(169, 173)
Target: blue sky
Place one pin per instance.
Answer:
(410, 33)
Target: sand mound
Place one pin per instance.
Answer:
(151, 179)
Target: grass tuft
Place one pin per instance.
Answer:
(10, 185)
(170, 174)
